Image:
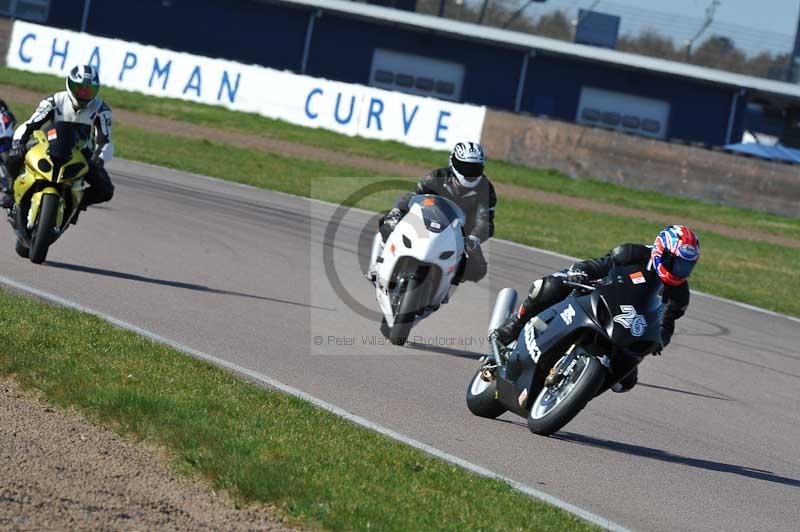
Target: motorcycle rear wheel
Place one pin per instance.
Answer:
(43, 231)
(555, 406)
(21, 249)
(481, 399)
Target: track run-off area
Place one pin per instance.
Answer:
(706, 441)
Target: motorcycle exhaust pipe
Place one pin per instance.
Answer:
(504, 305)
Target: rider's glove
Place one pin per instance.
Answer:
(471, 243)
(98, 161)
(390, 222)
(576, 276)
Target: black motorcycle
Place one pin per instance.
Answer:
(571, 352)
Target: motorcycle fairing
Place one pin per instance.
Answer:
(41, 176)
(519, 382)
(421, 240)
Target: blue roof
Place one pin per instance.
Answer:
(772, 153)
(525, 41)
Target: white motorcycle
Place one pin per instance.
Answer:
(416, 266)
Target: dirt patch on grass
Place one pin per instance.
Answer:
(385, 167)
(59, 472)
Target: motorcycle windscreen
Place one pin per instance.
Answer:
(633, 296)
(437, 212)
(62, 138)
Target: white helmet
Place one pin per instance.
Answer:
(83, 84)
(466, 162)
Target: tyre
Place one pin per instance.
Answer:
(386, 331)
(411, 301)
(21, 249)
(43, 231)
(555, 406)
(481, 399)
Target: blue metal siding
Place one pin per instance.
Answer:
(698, 113)
(264, 34)
(491, 73)
(66, 14)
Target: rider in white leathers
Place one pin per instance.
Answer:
(78, 104)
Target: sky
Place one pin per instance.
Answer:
(753, 24)
(778, 16)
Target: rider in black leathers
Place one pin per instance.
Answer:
(464, 183)
(673, 255)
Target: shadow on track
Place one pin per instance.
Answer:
(174, 284)
(665, 456)
(677, 390)
(444, 350)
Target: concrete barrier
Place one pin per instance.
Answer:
(641, 163)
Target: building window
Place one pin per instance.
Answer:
(416, 74)
(624, 112)
(33, 10)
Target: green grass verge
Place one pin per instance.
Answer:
(539, 179)
(260, 445)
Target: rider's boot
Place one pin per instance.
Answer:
(509, 331)
(543, 293)
(377, 249)
(10, 169)
(626, 383)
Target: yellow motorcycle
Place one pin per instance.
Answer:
(48, 194)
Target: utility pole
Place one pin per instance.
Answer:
(710, 10)
(85, 18)
(483, 11)
(516, 13)
(792, 68)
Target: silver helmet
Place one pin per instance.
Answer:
(466, 162)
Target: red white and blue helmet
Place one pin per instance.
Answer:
(675, 253)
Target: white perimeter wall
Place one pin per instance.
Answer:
(302, 100)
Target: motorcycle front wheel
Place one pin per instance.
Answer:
(43, 231)
(556, 405)
(411, 302)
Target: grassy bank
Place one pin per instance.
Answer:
(260, 445)
(539, 179)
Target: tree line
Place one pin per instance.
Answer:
(716, 51)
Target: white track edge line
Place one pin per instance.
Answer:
(509, 242)
(285, 388)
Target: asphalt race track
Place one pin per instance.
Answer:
(707, 441)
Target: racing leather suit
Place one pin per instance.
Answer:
(549, 290)
(478, 204)
(99, 148)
